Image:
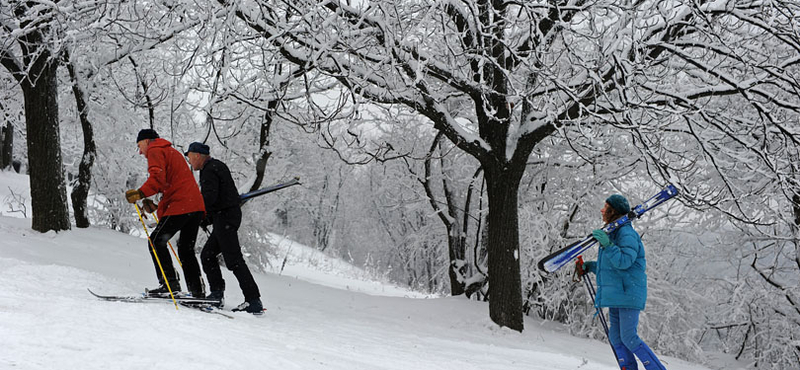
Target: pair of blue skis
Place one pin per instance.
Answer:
(563, 256)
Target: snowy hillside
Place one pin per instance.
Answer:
(318, 317)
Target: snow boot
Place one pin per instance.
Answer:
(217, 295)
(625, 358)
(252, 306)
(162, 289)
(648, 358)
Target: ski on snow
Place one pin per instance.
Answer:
(205, 308)
(200, 304)
(143, 297)
(561, 257)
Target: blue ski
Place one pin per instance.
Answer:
(563, 256)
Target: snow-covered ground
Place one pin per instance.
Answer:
(321, 314)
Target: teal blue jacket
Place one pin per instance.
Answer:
(620, 270)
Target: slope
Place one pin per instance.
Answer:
(49, 321)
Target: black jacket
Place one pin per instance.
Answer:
(216, 184)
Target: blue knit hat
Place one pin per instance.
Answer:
(619, 203)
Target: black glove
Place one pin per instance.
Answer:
(205, 222)
(149, 206)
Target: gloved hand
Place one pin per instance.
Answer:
(601, 237)
(149, 206)
(579, 270)
(590, 266)
(133, 195)
(205, 222)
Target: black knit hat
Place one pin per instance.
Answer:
(147, 133)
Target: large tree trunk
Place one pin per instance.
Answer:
(81, 191)
(505, 294)
(48, 191)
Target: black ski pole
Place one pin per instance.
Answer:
(592, 293)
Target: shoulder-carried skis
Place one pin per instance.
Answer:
(255, 193)
(563, 256)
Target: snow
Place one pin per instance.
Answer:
(319, 315)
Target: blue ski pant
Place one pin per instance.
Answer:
(622, 324)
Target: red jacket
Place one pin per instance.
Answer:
(171, 175)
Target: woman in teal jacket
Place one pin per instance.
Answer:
(622, 286)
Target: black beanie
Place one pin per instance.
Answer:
(147, 133)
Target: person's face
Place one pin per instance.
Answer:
(142, 144)
(196, 161)
(608, 213)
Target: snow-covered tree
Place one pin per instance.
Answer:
(30, 54)
(527, 70)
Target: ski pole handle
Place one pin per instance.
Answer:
(579, 271)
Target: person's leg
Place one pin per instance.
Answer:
(613, 326)
(226, 229)
(629, 322)
(186, 243)
(163, 232)
(624, 355)
(208, 256)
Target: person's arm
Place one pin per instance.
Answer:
(624, 253)
(156, 167)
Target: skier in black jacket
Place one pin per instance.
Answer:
(222, 208)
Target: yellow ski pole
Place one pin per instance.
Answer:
(153, 248)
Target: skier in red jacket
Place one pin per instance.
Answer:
(181, 209)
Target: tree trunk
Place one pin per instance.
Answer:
(456, 239)
(505, 292)
(457, 247)
(48, 191)
(81, 190)
(263, 148)
(6, 145)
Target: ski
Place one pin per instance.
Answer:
(205, 308)
(255, 193)
(561, 257)
(144, 298)
(211, 308)
(200, 304)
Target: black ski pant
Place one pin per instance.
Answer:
(224, 239)
(187, 224)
